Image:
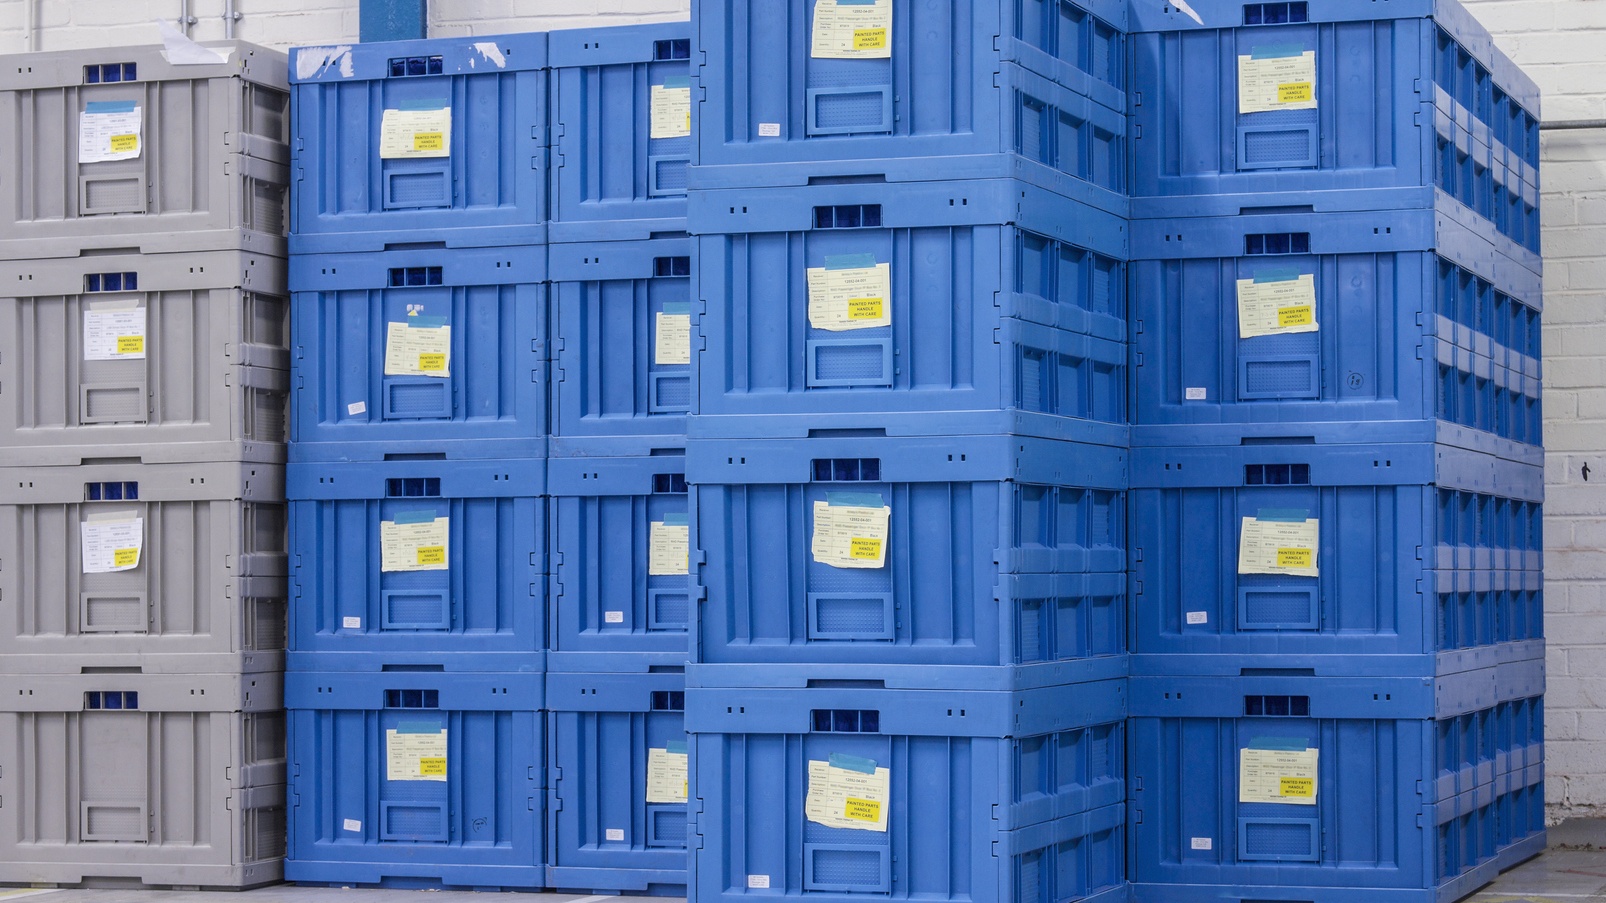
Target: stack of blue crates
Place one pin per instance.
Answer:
(417, 475)
(1337, 642)
(907, 450)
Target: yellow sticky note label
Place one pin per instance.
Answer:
(1297, 786)
(1295, 558)
(123, 558)
(431, 362)
(130, 344)
(863, 810)
(869, 38)
(122, 144)
(1295, 92)
(1303, 315)
(431, 554)
(866, 308)
(428, 141)
(431, 766)
(868, 549)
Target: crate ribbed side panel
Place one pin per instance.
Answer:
(169, 357)
(465, 160)
(981, 307)
(158, 780)
(984, 796)
(1345, 328)
(417, 352)
(418, 563)
(621, 130)
(416, 780)
(169, 567)
(618, 781)
(180, 157)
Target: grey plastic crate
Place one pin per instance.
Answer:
(213, 165)
(208, 592)
(212, 385)
(157, 779)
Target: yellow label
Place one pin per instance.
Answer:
(431, 362)
(865, 308)
(863, 810)
(431, 554)
(859, 547)
(1302, 315)
(431, 766)
(1297, 786)
(1294, 92)
(431, 141)
(122, 558)
(869, 38)
(130, 344)
(124, 143)
(1295, 558)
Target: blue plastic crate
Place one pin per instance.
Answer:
(368, 807)
(1392, 813)
(609, 611)
(1520, 816)
(1423, 332)
(480, 607)
(1002, 558)
(618, 171)
(613, 828)
(1006, 312)
(493, 303)
(611, 301)
(489, 190)
(991, 796)
(1427, 559)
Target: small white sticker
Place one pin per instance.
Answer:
(852, 30)
(357, 407)
(758, 882)
(414, 545)
(1197, 617)
(1277, 83)
(1194, 393)
(418, 350)
(111, 542)
(351, 623)
(850, 297)
(114, 332)
(613, 617)
(109, 131)
(667, 549)
(1201, 843)
(671, 112)
(613, 834)
(671, 339)
(415, 133)
(351, 824)
(850, 536)
(768, 130)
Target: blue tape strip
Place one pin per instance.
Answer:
(420, 105)
(1294, 744)
(675, 746)
(676, 518)
(1284, 515)
(851, 763)
(677, 307)
(426, 322)
(418, 727)
(1272, 51)
(419, 516)
(1278, 274)
(854, 499)
(677, 81)
(849, 261)
(109, 106)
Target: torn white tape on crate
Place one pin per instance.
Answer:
(490, 51)
(179, 50)
(1182, 7)
(313, 62)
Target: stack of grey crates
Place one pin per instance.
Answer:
(144, 371)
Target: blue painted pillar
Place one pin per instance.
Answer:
(392, 20)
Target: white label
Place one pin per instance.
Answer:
(671, 112)
(769, 130)
(413, 547)
(846, 536)
(357, 407)
(844, 798)
(1277, 83)
(1278, 547)
(418, 350)
(1277, 776)
(667, 549)
(613, 834)
(1198, 617)
(114, 334)
(1194, 393)
(349, 623)
(415, 757)
(1200, 843)
(110, 136)
(758, 882)
(111, 542)
(672, 339)
(1274, 308)
(613, 617)
(852, 31)
(415, 133)
(666, 776)
(351, 824)
(853, 298)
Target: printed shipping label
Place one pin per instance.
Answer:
(414, 546)
(852, 30)
(110, 131)
(848, 536)
(666, 776)
(847, 798)
(1277, 83)
(1279, 547)
(418, 350)
(672, 339)
(415, 133)
(413, 756)
(1277, 776)
(667, 549)
(850, 297)
(112, 334)
(671, 112)
(1275, 307)
(111, 542)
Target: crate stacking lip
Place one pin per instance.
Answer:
(167, 357)
(1344, 560)
(465, 162)
(430, 351)
(118, 148)
(969, 307)
(621, 130)
(160, 779)
(617, 782)
(432, 564)
(836, 792)
(416, 780)
(622, 344)
(1000, 559)
(173, 568)
(978, 90)
(1278, 787)
(1346, 327)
